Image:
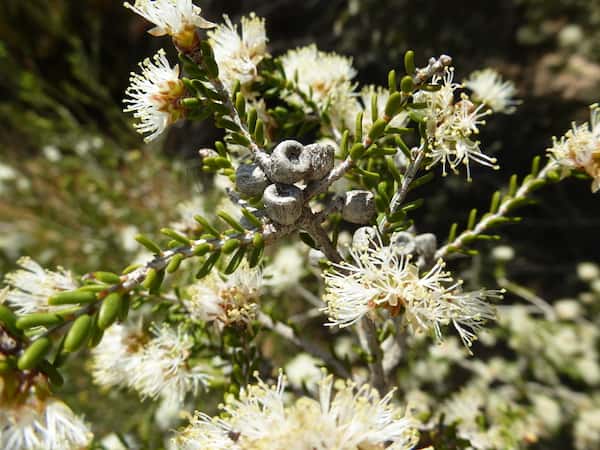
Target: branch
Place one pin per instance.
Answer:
(378, 378)
(529, 184)
(271, 233)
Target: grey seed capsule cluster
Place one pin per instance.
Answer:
(289, 163)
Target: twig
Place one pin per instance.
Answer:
(378, 379)
(503, 210)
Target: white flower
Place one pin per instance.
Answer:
(579, 148)
(318, 74)
(177, 18)
(342, 107)
(154, 96)
(489, 88)
(304, 370)
(154, 366)
(286, 269)
(186, 212)
(345, 416)
(587, 430)
(238, 55)
(31, 286)
(378, 277)
(451, 126)
(41, 424)
(233, 300)
(164, 369)
(588, 271)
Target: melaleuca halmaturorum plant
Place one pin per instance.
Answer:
(306, 155)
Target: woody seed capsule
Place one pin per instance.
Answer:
(283, 203)
(321, 158)
(359, 207)
(289, 163)
(250, 180)
(403, 242)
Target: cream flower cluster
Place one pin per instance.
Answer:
(224, 302)
(154, 96)
(156, 366)
(579, 148)
(452, 125)
(238, 55)
(489, 88)
(325, 78)
(176, 18)
(345, 417)
(379, 277)
(31, 285)
(42, 424)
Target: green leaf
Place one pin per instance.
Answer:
(9, 320)
(230, 245)
(174, 263)
(78, 333)
(392, 86)
(393, 105)
(34, 354)
(208, 265)
(148, 243)
(407, 84)
(38, 319)
(235, 261)
(72, 298)
(107, 277)
(231, 221)
(409, 62)
(175, 235)
(109, 310)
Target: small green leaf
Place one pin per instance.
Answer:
(235, 261)
(38, 319)
(148, 243)
(407, 84)
(107, 277)
(230, 245)
(392, 86)
(78, 333)
(208, 265)
(34, 354)
(174, 263)
(231, 221)
(409, 62)
(72, 297)
(109, 310)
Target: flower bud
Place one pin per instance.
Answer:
(359, 207)
(289, 163)
(283, 203)
(250, 180)
(320, 160)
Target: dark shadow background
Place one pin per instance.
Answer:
(65, 64)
